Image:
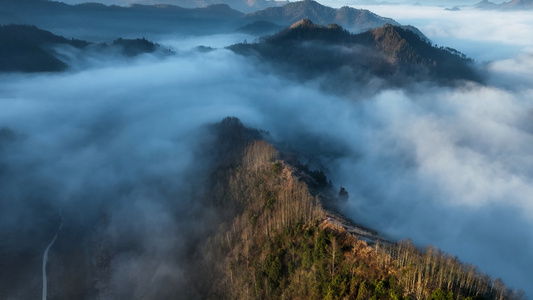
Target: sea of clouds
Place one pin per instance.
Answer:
(444, 166)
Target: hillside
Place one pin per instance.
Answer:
(395, 55)
(352, 19)
(26, 49)
(347, 17)
(282, 242)
(257, 224)
(95, 21)
(29, 49)
(240, 5)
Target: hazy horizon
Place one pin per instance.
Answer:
(443, 3)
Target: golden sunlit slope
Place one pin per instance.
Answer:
(283, 243)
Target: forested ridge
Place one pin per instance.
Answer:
(282, 243)
(395, 54)
(25, 48)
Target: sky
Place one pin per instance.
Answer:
(450, 167)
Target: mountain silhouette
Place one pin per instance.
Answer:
(347, 17)
(27, 49)
(394, 54)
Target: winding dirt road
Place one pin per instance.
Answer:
(45, 260)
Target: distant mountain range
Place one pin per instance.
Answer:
(347, 17)
(352, 19)
(245, 6)
(371, 2)
(95, 21)
(511, 5)
(144, 20)
(383, 52)
(394, 54)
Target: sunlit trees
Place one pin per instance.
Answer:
(281, 243)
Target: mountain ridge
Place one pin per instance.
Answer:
(257, 225)
(350, 18)
(95, 21)
(511, 5)
(25, 48)
(394, 54)
(284, 242)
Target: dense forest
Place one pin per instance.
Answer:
(280, 240)
(26, 48)
(394, 55)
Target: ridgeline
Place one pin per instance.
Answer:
(282, 241)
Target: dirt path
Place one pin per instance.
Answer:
(45, 260)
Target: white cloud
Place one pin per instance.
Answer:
(481, 34)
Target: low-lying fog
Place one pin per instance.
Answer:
(442, 166)
(484, 35)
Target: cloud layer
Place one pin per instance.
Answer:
(448, 167)
(480, 34)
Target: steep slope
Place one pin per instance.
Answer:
(281, 243)
(395, 55)
(349, 18)
(24, 48)
(405, 48)
(251, 223)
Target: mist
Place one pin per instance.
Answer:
(450, 167)
(483, 35)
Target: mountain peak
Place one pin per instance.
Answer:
(485, 4)
(384, 52)
(305, 29)
(283, 228)
(311, 3)
(356, 20)
(303, 23)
